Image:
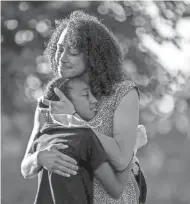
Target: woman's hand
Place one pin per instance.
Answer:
(64, 106)
(55, 161)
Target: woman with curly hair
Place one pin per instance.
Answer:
(82, 46)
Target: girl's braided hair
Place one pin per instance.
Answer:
(102, 53)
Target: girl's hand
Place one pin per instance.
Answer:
(64, 106)
(55, 161)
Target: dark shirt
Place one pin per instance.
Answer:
(85, 147)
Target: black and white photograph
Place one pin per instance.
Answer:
(95, 102)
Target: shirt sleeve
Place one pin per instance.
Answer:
(96, 153)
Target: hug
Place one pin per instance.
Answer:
(85, 133)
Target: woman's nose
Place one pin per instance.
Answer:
(64, 57)
(92, 98)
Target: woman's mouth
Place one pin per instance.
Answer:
(64, 66)
(67, 67)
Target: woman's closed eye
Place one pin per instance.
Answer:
(60, 49)
(73, 51)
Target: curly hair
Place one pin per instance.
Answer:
(56, 82)
(102, 52)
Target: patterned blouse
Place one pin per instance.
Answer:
(106, 108)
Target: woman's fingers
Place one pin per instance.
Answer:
(55, 147)
(61, 173)
(63, 157)
(55, 161)
(66, 158)
(49, 102)
(68, 165)
(59, 143)
(65, 167)
(46, 101)
(61, 95)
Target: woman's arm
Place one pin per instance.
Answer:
(50, 158)
(30, 166)
(120, 148)
(113, 182)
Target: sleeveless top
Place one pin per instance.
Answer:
(106, 108)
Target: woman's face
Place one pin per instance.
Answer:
(69, 64)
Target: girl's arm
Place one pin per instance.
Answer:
(29, 165)
(120, 148)
(113, 182)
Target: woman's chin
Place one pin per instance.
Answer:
(66, 74)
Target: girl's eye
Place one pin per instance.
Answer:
(85, 94)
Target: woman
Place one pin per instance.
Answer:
(79, 46)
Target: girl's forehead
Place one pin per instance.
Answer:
(76, 83)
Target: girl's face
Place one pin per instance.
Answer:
(69, 64)
(81, 97)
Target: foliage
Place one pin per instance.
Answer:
(155, 37)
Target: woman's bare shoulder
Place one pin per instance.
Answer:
(122, 89)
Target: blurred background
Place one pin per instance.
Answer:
(155, 36)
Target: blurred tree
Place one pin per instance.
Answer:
(155, 37)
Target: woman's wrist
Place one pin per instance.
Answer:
(38, 161)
